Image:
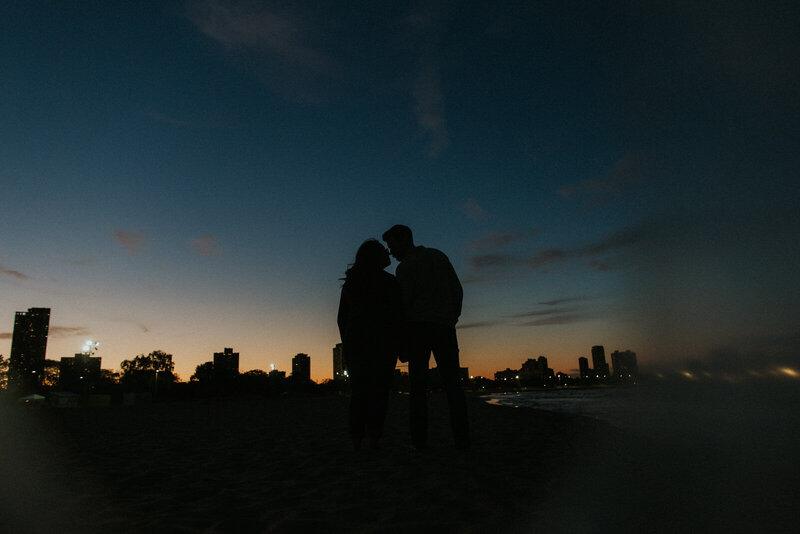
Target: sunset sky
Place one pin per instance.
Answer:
(189, 176)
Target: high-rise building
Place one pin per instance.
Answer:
(339, 365)
(583, 365)
(625, 366)
(79, 373)
(599, 361)
(28, 348)
(536, 373)
(226, 363)
(301, 368)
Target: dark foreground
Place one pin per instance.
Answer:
(285, 465)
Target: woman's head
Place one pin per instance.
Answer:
(371, 255)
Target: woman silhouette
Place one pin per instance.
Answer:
(369, 321)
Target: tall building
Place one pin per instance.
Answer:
(625, 366)
(599, 361)
(339, 365)
(301, 368)
(536, 373)
(226, 363)
(583, 365)
(79, 373)
(28, 348)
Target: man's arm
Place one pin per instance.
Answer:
(458, 291)
(344, 313)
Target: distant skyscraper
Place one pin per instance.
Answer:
(536, 373)
(625, 366)
(583, 365)
(301, 368)
(28, 347)
(599, 361)
(226, 363)
(339, 366)
(79, 373)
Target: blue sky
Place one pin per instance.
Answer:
(188, 176)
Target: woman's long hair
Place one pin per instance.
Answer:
(370, 259)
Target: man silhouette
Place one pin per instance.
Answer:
(432, 297)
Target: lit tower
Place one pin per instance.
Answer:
(339, 366)
(599, 361)
(28, 348)
(583, 365)
(301, 368)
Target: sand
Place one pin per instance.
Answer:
(286, 465)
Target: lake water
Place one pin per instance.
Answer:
(758, 416)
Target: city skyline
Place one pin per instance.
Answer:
(226, 362)
(185, 175)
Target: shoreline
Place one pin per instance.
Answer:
(286, 465)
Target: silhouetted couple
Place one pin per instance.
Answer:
(411, 316)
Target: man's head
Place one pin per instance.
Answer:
(400, 240)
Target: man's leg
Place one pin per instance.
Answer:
(445, 351)
(418, 357)
(382, 372)
(359, 392)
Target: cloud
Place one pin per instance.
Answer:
(68, 331)
(567, 318)
(478, 324)
(205, 246)
(562, 301)
(473, 210)
(538, 317)
(625, 173)
(600, 266)
(271, 41)
(429, 106)
(15, 274)
(620, 239)
(424, 26)
(536, 313)
(500, 240)
(133, 241)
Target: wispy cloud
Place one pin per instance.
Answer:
(478, 324)
(132, 241)
(539, 313)
(545, 314)
(429, 106)
(473, 210)
(68, 331)
(608, 243)
(205, 246)
(499, 240)
(274, 41)
(141, 326)
(424, 27)
(625, 173)
(554, 320)
(13, 273)
(556, 302)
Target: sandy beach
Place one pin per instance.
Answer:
(286, 465)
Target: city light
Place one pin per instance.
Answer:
(788, 371)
